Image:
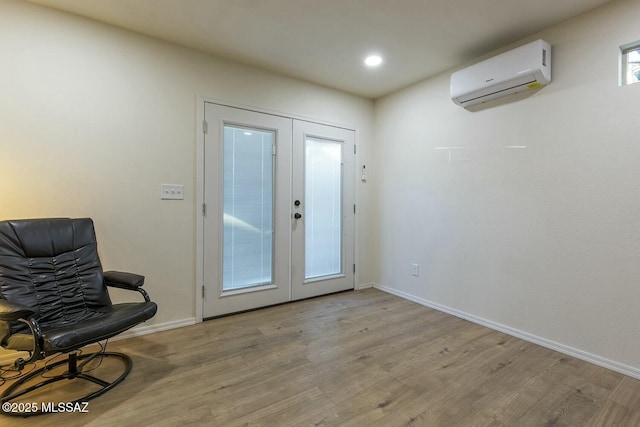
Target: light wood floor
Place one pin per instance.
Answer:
(361, 358)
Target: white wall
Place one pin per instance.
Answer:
(93, 119)
(542, 241)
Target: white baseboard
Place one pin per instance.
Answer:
(150, 329)
(565, 349)
(362, 286)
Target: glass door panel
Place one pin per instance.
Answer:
(323, 207)
(247, 207)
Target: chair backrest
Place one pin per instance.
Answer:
(52, 267)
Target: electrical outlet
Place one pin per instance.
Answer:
(172, 192)
(415, 270)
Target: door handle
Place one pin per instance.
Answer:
(297, 215)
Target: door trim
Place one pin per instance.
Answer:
(199, 191)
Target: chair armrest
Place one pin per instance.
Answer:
(10, 311)
(123, 280)
(15, 312)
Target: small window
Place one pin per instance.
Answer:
(630, 63)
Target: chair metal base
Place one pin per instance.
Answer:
(10, 405)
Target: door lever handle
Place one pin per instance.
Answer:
(297, 215)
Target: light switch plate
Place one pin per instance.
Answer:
(172, 192)
(415, 270)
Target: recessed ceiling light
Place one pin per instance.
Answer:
(373, 60)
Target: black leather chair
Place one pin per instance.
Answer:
(54, 299)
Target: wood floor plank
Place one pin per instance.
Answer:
(362, 358)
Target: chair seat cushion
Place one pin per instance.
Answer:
(87, 327)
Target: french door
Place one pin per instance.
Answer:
(279, 209)
(323, 218)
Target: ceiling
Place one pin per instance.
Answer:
(325, 41)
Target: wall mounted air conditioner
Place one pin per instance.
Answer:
(523, 68)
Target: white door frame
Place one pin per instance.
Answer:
(201, 100)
